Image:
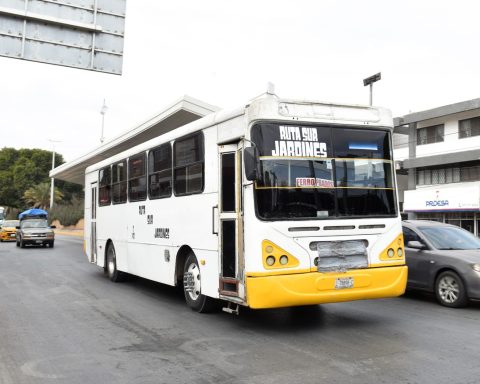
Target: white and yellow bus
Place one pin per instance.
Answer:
(278, 203)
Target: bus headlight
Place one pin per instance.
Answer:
(283, 260)
(394, 251)
(275, 257)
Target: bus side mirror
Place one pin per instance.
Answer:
(251, 159)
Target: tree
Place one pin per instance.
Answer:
(21, 169)
(39, 196)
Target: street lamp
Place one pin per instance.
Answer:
(369, 81)
(52, 188)
(103, 110)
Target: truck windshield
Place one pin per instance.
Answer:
(323, 172)
(34, 224)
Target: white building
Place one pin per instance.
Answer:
(442, 160)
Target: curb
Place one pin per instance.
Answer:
(70, 233)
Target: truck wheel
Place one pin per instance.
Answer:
(51, 244)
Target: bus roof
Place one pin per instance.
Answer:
(191, 115)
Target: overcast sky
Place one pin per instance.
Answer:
(225, 52)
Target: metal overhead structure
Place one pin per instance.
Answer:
(182, 112)
(369, 81)
(86, 34)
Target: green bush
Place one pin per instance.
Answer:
(67, 214)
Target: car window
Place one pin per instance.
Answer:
(35, 224)
(450, 238)
(410, 235)
(9, 223)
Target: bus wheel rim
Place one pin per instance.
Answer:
(111, 262)
(195, 271)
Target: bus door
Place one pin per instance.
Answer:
(230, 228)
(93, 224)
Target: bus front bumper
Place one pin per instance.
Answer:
(318, 288)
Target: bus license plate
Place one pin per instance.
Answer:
(343, 282)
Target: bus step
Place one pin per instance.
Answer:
(232, 308)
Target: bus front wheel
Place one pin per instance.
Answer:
(192, 287)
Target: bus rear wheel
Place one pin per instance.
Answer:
(113, 273)
(192, 287)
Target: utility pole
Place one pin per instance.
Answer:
(103, 111)
(52, 187)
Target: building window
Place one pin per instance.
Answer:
(137, 178)
(188, 176)
(160, 172)
(428, 176)
(453, 174)
(105, 179)
(470, 173)
(119, 182)
(469, 127)
(430, 135)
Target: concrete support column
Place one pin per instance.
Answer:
(412, 154)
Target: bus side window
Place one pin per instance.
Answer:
(137, 178)
(119, 182)
(188, 175)
(160, 172)
(105, 191)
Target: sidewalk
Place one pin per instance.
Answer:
(69, 232)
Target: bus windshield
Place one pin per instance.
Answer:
(323, 172)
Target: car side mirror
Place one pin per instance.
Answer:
(251, 161)
(416, 245)
(53, 226)
(17, 227)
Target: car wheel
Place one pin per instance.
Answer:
(17, 243)
(22, 244)
(450, 290)
(113, 273)
(192, 287)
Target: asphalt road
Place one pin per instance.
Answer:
(63, 321)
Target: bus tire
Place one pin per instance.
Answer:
(192, 287)
(113, 273)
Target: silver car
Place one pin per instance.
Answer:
(443, 259)
(35, 232)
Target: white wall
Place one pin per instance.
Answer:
(451, 141)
